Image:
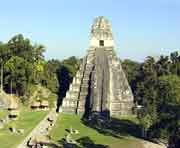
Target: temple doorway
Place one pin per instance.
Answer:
(101, 43)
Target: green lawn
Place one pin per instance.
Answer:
(27, 121)
(3, 113)
(65, 121)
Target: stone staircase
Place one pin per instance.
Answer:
(78, 90)
(117, 95)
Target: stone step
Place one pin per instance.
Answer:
(84, 89)
(75, 85)
(72, 95)
(85, 81)
(83, 94)
(68, 109)
(73, 92)
(89, 67)
(81, 104)
(83, 85)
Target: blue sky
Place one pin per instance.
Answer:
(140, 27)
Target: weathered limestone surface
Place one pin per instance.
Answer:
(100, 85)
(4, 99)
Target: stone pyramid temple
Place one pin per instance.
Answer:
(100, 85)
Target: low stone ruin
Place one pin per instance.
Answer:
(13, 109)
(40, 105)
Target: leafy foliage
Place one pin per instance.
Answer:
(156, 86)
(17, 72)
(155, 83)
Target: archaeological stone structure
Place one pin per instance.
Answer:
(100, 85)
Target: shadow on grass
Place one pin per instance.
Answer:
(83, 142)
(50, 145)
(114, 127)
(86, 142)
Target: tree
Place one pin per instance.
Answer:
(66, 72)
(38, 51)
(174, 139)
(4, 53)
(38, 71)
(16, 69)
(145, 87)
(50, 76)
(169, 89)
(72, 64)
(175, 66)
(21, 47)
(146, 122)
(174, 56)
(131, 69)
(33, 54)
(163, 66)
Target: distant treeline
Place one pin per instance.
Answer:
(22, 64)
(155, 83)
(156, 87)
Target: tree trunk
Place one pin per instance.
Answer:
(144, 132)
(11, 87)
(1, 76)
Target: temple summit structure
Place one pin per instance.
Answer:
(100, 85)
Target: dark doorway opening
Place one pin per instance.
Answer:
(101, 43)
